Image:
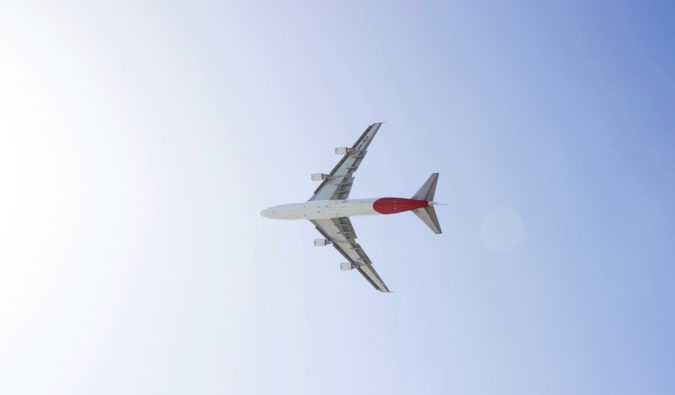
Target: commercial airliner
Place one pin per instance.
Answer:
(329, 209)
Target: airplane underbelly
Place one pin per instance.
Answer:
(326, 210)
(340, 208)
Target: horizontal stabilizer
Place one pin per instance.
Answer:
(428, 189)
(428, 214)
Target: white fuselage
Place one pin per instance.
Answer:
(322, 209)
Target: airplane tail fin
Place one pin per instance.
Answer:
(428, 214)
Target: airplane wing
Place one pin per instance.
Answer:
(339, 182)
(341, 232)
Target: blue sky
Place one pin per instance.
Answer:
(140, 140)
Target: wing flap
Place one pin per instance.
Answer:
(373, 278)
(339, 183)
(341, 232)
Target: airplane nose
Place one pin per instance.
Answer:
(266, 213)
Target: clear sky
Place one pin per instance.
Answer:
(139, 140)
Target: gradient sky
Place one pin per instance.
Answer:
(139, 140)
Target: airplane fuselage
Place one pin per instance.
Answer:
(325, 209)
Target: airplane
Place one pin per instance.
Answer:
(330, 208)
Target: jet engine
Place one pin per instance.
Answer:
(322, 242)
(344, 151)
(319, 176)
(347, 266)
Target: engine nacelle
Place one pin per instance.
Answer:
(344, 151)
(319, 176)
(347, 266)
(322, 242)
